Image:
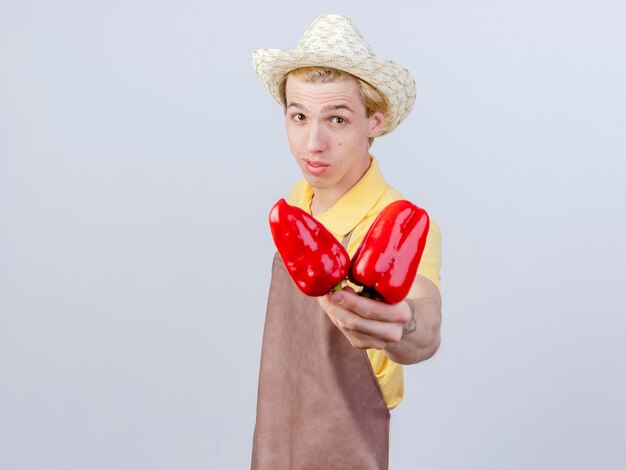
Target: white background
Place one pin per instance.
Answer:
(140, 155)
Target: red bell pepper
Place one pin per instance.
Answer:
(314, 258)
(386, 261)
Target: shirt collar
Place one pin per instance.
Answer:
(353, 206)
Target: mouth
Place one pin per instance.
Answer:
(315, 168)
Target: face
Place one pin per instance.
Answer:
(328, 131)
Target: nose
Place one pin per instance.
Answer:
(316, 138)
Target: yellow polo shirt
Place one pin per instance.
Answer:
(356, 211)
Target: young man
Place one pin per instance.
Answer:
(331, 366)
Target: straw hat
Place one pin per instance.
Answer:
(333, 41)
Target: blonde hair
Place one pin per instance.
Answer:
(373, 99)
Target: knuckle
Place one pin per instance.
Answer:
(350, 324)
(394, 335)
(375, 313)
(403, 315)
(356, 343)
(371, 312)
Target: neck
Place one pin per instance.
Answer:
(325, 198)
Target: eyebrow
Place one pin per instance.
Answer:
(330, 107)
(335, 107)
(297, 105)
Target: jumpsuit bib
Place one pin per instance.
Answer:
(319, 403)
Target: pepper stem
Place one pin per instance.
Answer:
(368, 292)
(339, 286)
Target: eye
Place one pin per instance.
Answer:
(338, 120)
(298, 117)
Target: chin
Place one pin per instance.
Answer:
(316, 182)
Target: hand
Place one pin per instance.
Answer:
(367, 323)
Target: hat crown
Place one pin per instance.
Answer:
(335, 35)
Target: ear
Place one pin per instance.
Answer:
(376, 120)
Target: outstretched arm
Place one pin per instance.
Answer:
(408, 332)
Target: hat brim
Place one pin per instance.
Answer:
(391, 79)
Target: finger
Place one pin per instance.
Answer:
(352, 323)
(363, 341)
(372, 309)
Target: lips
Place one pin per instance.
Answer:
(315, 168)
